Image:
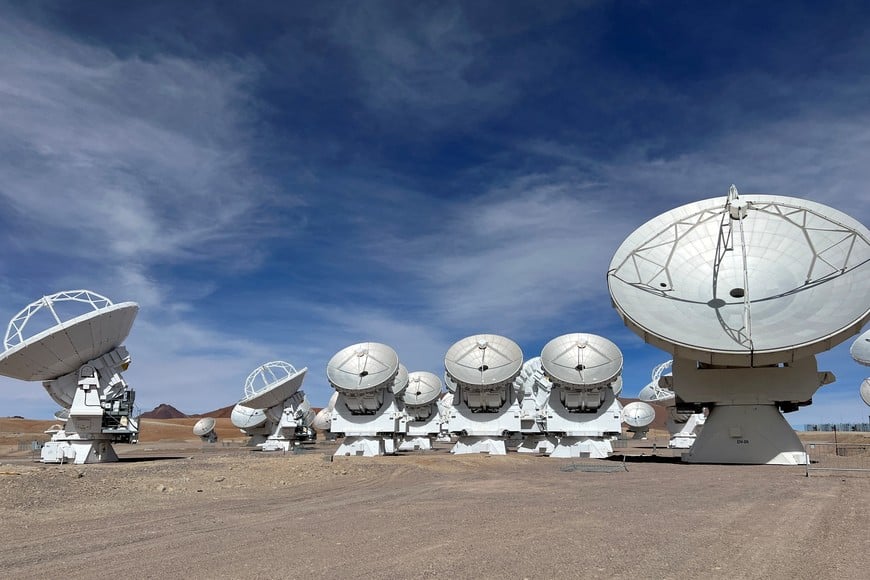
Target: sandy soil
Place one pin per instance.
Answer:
(179, 509)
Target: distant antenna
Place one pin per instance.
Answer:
(421, 409)
(865, 391)
(204, 429)
(638, 416)
(79, 359)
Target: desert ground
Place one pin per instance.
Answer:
(174, 507)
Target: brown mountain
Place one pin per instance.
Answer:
(164, 411)
(222, 413)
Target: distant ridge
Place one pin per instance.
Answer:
(222, 413)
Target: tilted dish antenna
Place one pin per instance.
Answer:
(204, 429)
(423, 389)
(744, 291)
(860, 350)
(361, 368)
(271, 384)
(865, 390)
(79, 359)
(749, 280)
(654, 392)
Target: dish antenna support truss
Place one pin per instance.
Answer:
(80, 360)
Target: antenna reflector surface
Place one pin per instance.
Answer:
(860, 350)
(581, 361)
(246, 417)
(483, 360)
(638, 414)
(204, 426)
(271, 384)
(865, 391)
(785, 279)
(400, 383)
(367, 366)
(423, 388)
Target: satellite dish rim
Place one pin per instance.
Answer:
(420, 398)
(600, 375)
(345, 381)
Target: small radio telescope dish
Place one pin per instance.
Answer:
(68, 344)
(423, 388)
(271, 384)
(484, 360)
(638, 414)
(204, 429)
(448, 383)
(748, 280)
(860, 350)
(62, 415)
(581, 360)
(247, 418)
(367, 366)
(400, 383)
(865, 391)
(323, 419)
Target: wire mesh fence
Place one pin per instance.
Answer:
(834, 456)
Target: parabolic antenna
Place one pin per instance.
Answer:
(654, 392)
(638, 414)
(865, 391)
(448, 383)
(581, 360)
(323, 419)
(860, 350)
(744, 280)
(400, 383)
(62, 415)
(68, 343)
(271, 384)
(484, 360)
(367, 366)
(246, 417)
(204, 427)
(423, 388)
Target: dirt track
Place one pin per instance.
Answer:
(229, 513)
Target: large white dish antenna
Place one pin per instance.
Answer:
(654, 392)
(638, 414)
(483, 360)
(204, 426)
(247, 418)
(581, 360)
(271, 384)
(860, 350)
(865, 391)
(68, 344)
(423, 388)
(744, 280)
(367, 366)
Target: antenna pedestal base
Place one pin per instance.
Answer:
(366, 447)
(421, 443)
(537, 444)
(747, 434)
(469, 445)
(78, 452)
(593, 448)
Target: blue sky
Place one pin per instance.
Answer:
(279, 180)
